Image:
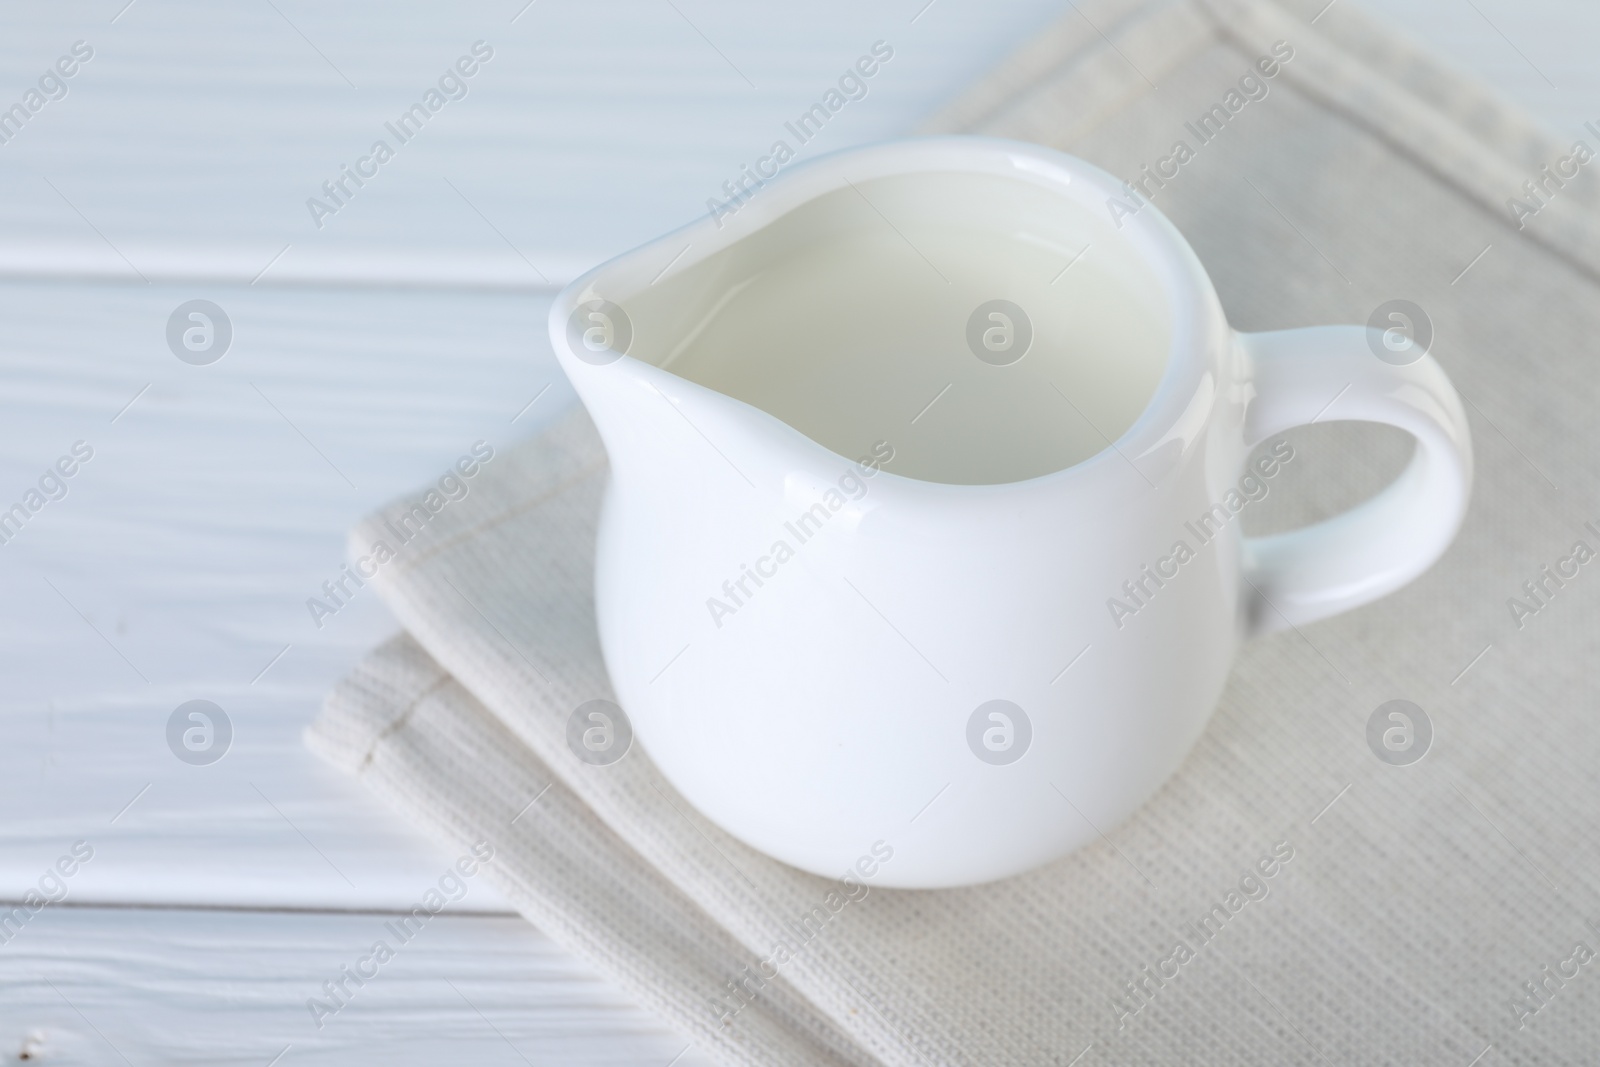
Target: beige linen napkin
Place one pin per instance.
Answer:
(1288, 898)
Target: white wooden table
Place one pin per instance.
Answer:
(366, 355)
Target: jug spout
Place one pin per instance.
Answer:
(664, 430)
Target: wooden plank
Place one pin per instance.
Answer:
(179, 564)
(197, 133)
(119, 986)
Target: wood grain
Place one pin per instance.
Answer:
(116, 986)
(179, 564)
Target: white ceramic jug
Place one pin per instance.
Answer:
(922, 524)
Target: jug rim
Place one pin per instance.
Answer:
(1179, 405)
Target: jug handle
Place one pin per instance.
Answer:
(1327, 374)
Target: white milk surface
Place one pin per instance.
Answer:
(849, 320)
